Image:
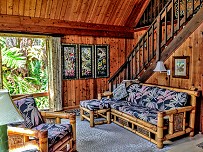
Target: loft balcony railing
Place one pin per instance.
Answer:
(169, 22)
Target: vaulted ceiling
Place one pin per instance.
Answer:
(117, 14)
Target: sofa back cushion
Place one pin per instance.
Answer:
(155, 98)
(29, 111)
(150, 97)
(135, 92)
(169, 99)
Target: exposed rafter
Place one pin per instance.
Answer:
(53, 26)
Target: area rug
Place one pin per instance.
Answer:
(200, 145)
(111, 138)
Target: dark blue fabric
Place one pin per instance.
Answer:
(55, 131)
(29, 111)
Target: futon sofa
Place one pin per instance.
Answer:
(156, 113)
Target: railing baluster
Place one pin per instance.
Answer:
(131, 67)
(158, 37)
(185, 11)
(178, 20)
(128, 73)
(152, 41)
(142, 53)
(135, 63)
(148, 47)
(193, 6)
(138, 58)
(172, 19)
(165, 38)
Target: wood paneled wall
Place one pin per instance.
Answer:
(76, 90)
(193, 47)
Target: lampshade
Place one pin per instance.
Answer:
(160, 67)
(8, 111)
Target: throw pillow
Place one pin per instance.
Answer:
(29, 111)
(120, 92)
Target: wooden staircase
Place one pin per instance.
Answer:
(177, 20)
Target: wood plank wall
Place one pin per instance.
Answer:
(76, 90)
(192, 47)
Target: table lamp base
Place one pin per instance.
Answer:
(3, 139)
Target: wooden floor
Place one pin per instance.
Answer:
(187, 144)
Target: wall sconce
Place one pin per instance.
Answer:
(161, 68)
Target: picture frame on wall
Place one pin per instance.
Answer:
(70, 61)
(180, 67)
(102, 61)
(86, 60)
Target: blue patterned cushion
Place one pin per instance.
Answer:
(93, 104)
(150, 98)
(143, 113)
(120, 92)
(29, 111)
(169, 99)
(134, 95)
(118, 104)
(55, 131)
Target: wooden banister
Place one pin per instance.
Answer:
(152, 44)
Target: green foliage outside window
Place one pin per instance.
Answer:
(24, 66)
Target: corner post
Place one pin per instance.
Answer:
(73, 124)
(160, 125)
(192, 115)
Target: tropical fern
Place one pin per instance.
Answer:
(24, 66)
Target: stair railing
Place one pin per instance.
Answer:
(169, 22)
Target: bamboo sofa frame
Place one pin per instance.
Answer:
(42, 136)
(160, 133)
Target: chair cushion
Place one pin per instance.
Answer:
(120, 92)
(118, 104)
(93, 104)
(55, 131)
(143, 113)
(29, 111)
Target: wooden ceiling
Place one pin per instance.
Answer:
(96, 12)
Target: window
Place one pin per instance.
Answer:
(24, 66)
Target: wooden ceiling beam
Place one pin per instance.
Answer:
(47, 30)
(136, 15)
(53, 26)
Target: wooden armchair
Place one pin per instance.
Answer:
(47, 137)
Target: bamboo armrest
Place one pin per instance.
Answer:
(27, 132)
(60, 115)
(178, 110)
(107, 94)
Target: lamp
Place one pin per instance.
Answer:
(8, 114)
(161, 68)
